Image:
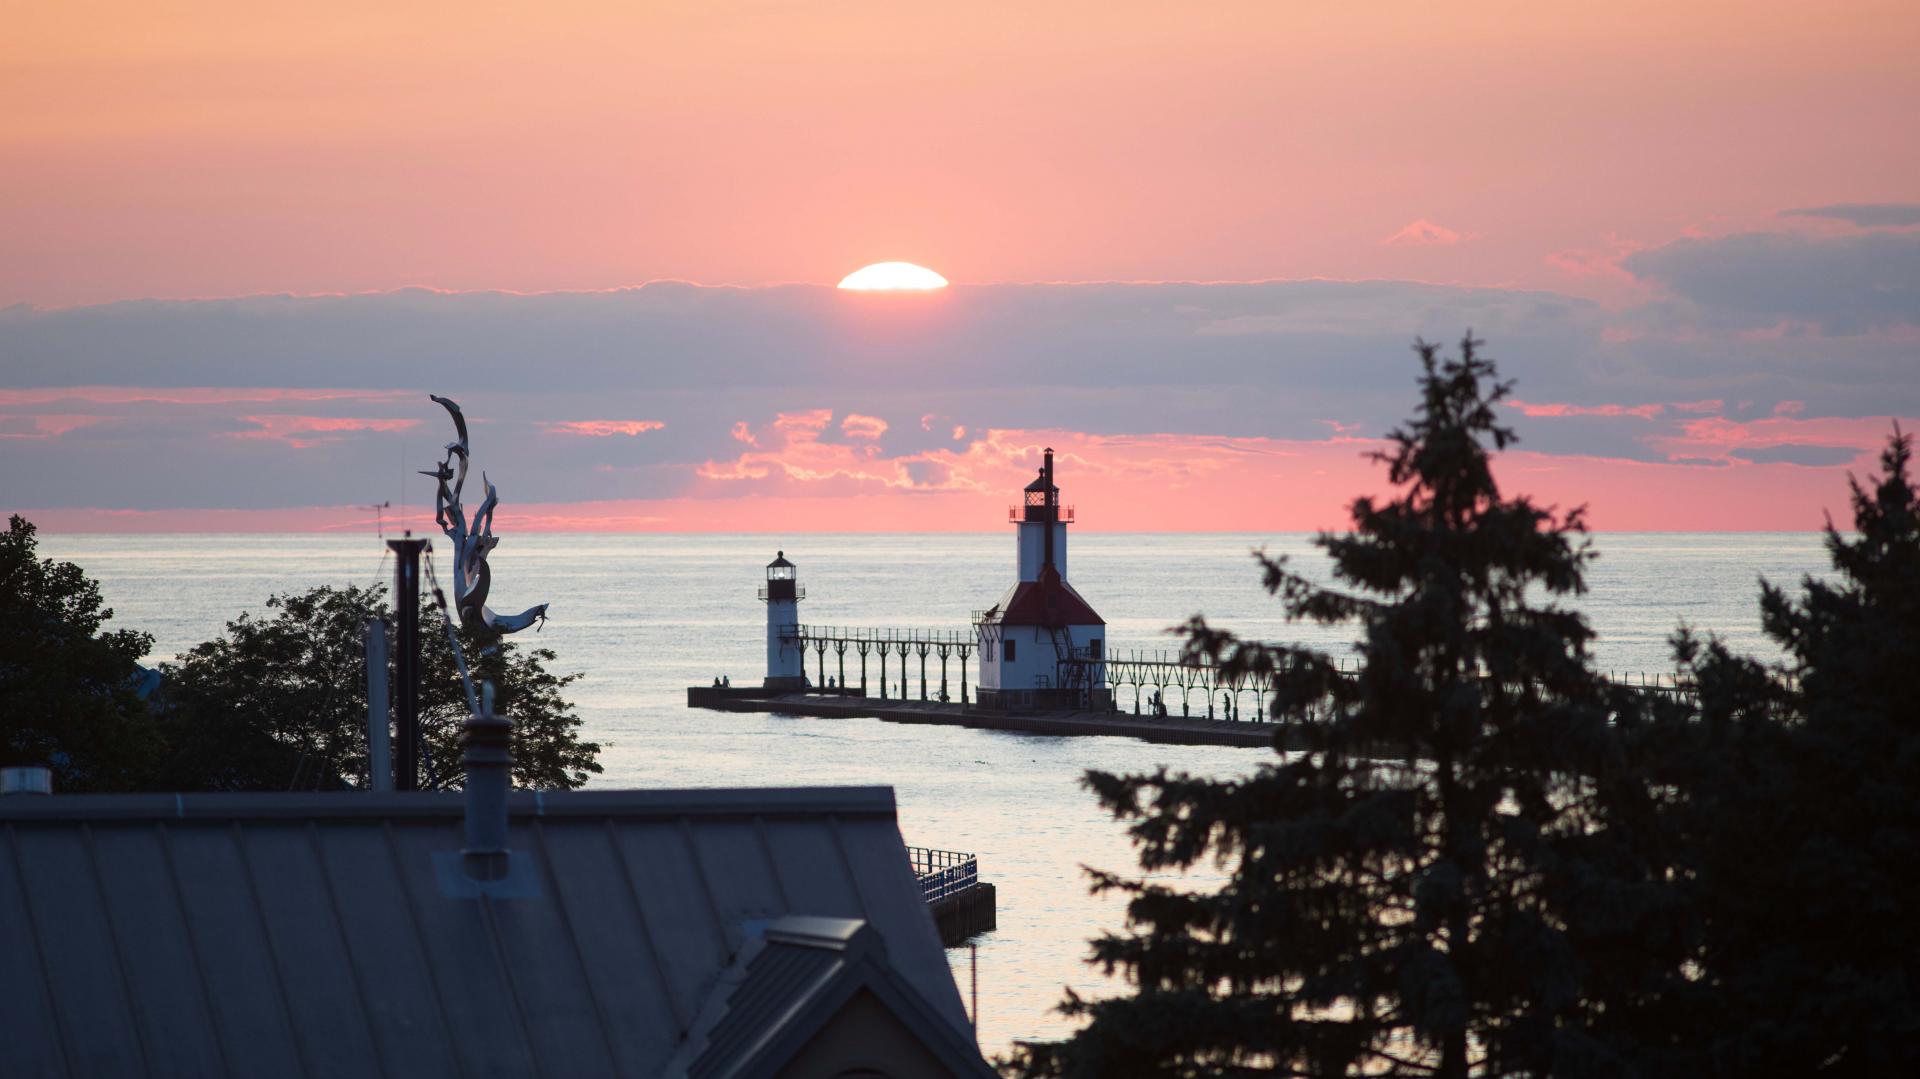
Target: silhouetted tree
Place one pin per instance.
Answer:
(1801, 811)
(280, 703)
(1449, 880)
(66, 684)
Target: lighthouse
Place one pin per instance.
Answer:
(786, 663)
(1041, 645)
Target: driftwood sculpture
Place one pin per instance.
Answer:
(471, 540)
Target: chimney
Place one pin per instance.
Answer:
(26, 779)
(488, 743)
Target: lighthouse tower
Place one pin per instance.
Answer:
(786, 663)
(1041, 645)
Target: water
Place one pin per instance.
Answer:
(645, 616)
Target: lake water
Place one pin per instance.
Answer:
(645, 616)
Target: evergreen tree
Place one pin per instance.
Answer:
(66, 683)
(1451, 878)
(280, 703)
(1802, 811)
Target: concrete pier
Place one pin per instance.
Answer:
(964, 915)
(1177, 730)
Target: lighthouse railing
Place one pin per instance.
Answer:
(1019, 513)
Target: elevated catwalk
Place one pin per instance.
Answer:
(1177, 730)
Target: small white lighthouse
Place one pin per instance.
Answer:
(1041, 645)
(786, 663)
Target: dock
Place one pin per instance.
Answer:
(1173, 730)
(961, 903)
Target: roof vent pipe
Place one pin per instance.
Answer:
(487, 741)
(26, 779)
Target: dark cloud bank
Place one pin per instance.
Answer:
(1281, 359)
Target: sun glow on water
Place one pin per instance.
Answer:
(892, 276)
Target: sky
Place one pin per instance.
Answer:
(1190, 248)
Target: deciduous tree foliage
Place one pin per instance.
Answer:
(1452, 877)
(66, 683)
(1800, 811)
(280, 702)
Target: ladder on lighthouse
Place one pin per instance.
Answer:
(1068, 674)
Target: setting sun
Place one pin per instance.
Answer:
(892, 275)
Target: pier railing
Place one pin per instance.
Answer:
(943, 873)
(879, 634)
(1170, 683)
(928, 646)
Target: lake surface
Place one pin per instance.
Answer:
(644, 616)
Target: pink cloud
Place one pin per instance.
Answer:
(1423, 233)
(791, 452)
(1528, 408)
(1709, 404)
(601, 428)
(45, 426)
(306, 432)
(1717, 438)
(1136, 483)
(744, 433)
(959, 432)
(855, 425)
(1789, 408)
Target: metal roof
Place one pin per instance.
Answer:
(1049, 601)
(322, 934)
(787, 985)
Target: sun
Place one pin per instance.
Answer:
(892, 276)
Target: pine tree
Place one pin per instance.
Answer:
(1451, 879)
(1802, 811)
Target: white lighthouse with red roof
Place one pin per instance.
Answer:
(1041, 645)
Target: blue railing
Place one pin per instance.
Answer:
(943, 873)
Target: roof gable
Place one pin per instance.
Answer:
(794, 982)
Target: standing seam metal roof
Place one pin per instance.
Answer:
(308, 934)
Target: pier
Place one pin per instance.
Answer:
(961, 903)
(831, 704)
(1038, 661)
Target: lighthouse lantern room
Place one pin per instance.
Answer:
(786, 663)
(1027, 639)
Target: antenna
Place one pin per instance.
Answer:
(379, 517)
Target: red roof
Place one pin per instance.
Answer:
(1048, 601)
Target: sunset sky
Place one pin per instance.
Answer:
(1189, 247)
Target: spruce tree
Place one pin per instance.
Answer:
(1443, 874)
(1802, 811)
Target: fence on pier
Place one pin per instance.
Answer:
(880, 642)
(1169, 683)
(943, 873)
(1149, 682)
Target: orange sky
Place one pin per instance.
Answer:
(223, 147)
(1689, 230)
